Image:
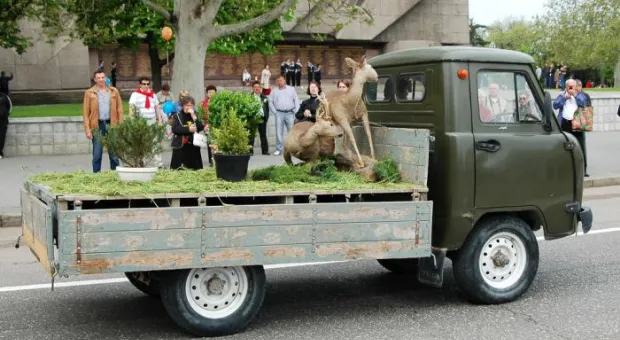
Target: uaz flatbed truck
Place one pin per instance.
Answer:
(487, 169)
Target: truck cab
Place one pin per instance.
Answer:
(498, 158)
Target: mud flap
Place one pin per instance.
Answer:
(430, 269)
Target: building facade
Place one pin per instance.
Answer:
(398, 24)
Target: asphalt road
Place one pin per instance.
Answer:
(576, 295)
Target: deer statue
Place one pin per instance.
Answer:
(308, 141)
(345, 108)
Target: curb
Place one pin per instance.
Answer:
(10, 220)
(596, 182)
(15, 220)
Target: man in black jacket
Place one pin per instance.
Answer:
(5, 110)
(4, 82)
(262, 127)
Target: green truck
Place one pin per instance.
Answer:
(472, 132)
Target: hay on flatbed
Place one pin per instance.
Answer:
(108, 184)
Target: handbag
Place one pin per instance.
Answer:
(583, 118)
(200, 140)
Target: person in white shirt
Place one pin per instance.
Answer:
(144, 102)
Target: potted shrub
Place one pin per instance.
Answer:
(231, 149)
(135, 142)
(248, 109)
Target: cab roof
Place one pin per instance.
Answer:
(450, 53)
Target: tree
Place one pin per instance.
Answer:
(519, 35)
(11, 13)
(200, 24)
(584, 33)
(131, 23)
(475, 35)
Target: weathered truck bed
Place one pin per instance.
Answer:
(78, 234)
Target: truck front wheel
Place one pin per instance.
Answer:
(209, 302)
(497, 262)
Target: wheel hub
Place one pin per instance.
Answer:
(502, 260)
(215, 285)
(216, 292)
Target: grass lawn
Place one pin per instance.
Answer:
(52, 110)
(608, 89)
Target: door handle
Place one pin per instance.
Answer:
(488, 145)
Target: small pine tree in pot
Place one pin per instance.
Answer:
(232, 152)
(135, 142)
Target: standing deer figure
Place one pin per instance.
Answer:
(345, 108)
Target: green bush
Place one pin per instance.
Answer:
(246, 106)
(231, 137)
(387, 171)
(134, 141)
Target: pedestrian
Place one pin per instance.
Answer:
(298, 68)
(144, 103)
(567, 103)
(4, 82)
(211, 91)
(185, 124)
(264, 112)
(265, 80)
(113, 73)
(343, 85)
(310, 72)
(317, 74)
(307, 108)
(284, 103)
(165, 95)
(588, 103)
(103, 107)
(291, 72)
(5, 110)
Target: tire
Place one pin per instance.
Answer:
(206, 302)
(400, 266)
(500, 281)
(140, 279)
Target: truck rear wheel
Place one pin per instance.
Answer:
(146, 282)
(497, 262)
(210, 302)
(400, 266)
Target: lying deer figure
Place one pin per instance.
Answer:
(345, 108)
(308, 141)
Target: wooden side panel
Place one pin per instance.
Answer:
(177, 238)
(408, 147)
(37, 229)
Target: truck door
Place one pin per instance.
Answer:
(519, 164)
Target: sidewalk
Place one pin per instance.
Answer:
(602, 149)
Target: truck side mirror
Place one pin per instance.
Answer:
(548, 111)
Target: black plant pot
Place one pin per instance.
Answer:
(232, 168)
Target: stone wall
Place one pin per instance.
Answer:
(65, 135)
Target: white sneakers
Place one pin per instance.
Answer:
(277, 153)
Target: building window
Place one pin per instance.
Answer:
(506, 97)
(381, 91)
(411, 87)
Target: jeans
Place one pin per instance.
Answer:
(283, 120)
(98, 152)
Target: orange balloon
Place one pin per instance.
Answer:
(166, 33)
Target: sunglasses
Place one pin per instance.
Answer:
(145, 84)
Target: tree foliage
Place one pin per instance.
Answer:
(476, 34)
(582, 33)
(11, 13)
